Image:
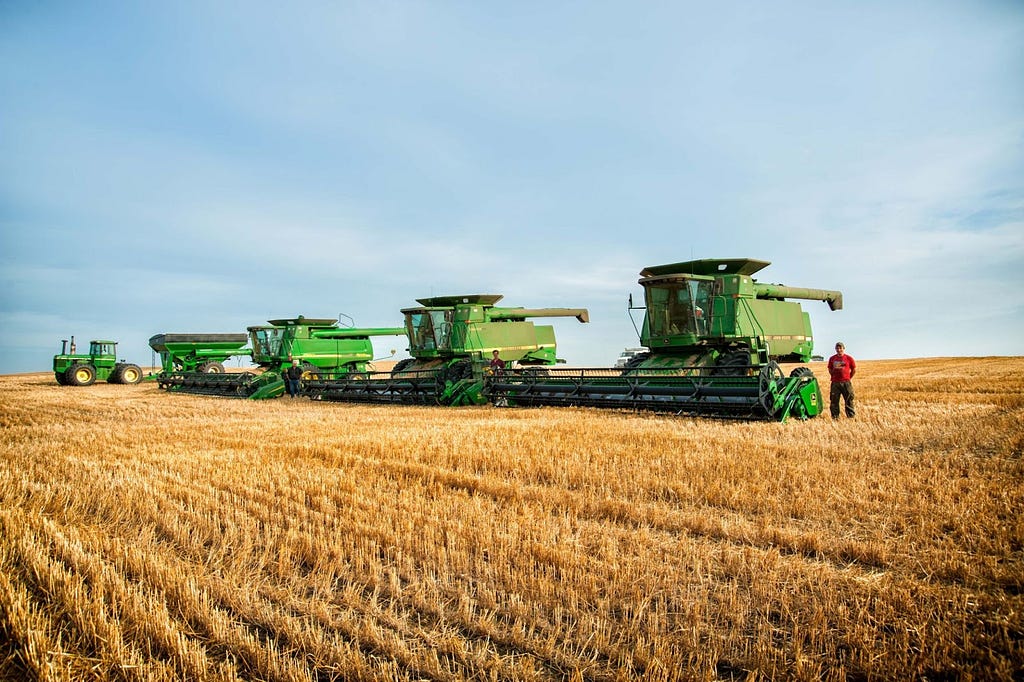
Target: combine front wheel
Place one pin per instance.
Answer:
(80, 375)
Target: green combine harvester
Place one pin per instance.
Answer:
(76, 369)
(451, 341)
(194, 362)
(715, 337)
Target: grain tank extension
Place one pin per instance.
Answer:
(715, 337)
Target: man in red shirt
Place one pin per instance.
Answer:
(841, 368)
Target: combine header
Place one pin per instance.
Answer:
(193, 362)
(715, 337)
(451, 341)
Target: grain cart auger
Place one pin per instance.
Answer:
(715, 337)
(451, 341)
(75, 369)
(320, 346)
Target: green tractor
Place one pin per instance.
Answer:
(451, 341)
(715, 337)
(320, 345)
(71, 369)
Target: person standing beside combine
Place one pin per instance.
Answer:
(497, 364)
(292, 375)
(841, 368)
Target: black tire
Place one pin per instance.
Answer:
(459, 370)
(59, 376)
(402, 364)
(310, 371)
(129, 374)
(732, 364)
(802, 372)
(80, 375)
(211, 368)
(634, 362)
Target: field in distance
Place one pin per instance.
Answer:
(146, 535)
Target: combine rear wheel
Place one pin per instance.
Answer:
(211, 368)
(80, 375)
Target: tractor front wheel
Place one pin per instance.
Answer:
(61, 379)
(80, 375)
(130, 374)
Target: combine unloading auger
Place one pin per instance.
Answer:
(321, 346)
(715, 338)
(451, 341)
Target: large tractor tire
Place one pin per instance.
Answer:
(80, 375)
(211, 368)
(61, 379)
(127, 374)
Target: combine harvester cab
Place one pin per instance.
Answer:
(715, 337)
(320, 345)
(451, 341)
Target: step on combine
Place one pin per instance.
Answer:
(194, 362)
(715, 337)
(451, 341)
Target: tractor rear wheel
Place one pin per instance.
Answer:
(129, 374)
(80, 375)
(211, 368)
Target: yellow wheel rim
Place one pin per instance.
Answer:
(130, 376)
(82, 375)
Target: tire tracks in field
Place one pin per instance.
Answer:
(503, 639)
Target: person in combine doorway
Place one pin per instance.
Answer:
(841, 368)
(497, 364)
(292, 377)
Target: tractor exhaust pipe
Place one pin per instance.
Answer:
(63, 346)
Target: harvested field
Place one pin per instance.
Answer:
(153, 536)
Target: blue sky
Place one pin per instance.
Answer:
(177, 167)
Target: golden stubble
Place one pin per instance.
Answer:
(154, 536)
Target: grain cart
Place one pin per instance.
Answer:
(715, 337)
(71, 369)
(451, 341)
(320, 345)
(204, 353)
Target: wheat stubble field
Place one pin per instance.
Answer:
(146, 536)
